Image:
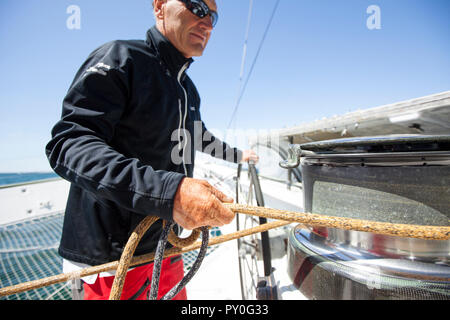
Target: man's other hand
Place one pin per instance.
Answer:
(249, 155)
(198, 204)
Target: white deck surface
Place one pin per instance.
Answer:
(218, 276)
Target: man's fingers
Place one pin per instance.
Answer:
(197, 204)
(219, 214)
(249, 155)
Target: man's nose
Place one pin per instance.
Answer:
(206, 23)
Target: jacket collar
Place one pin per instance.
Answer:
(172, 58)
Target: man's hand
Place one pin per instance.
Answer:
(249, 155)
(198, 204)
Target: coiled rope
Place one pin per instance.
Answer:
(130, 247)
(283, 218)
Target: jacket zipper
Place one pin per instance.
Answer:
(180, 73)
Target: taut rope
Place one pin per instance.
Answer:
(385, 228)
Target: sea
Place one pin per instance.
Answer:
(19, 177)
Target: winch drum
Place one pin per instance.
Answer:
(390, 179)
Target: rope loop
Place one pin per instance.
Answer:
(167, 229)
(182, 242)
(127, 255)
(167, 234)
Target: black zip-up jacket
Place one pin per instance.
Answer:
(121, 144)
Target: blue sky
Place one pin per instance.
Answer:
(319, 59)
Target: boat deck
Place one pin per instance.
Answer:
(30, 231)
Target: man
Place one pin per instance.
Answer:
(125, 143)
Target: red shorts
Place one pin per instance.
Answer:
(137, 282)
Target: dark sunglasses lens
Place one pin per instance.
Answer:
(198, 10)
(214, 18)
(201, 10)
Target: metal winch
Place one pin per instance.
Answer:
(398, 179)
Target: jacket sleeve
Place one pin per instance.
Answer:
(216, 148)
(80, 151)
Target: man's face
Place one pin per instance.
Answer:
(187, 32)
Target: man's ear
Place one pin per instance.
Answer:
(158, 8)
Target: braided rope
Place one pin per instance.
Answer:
(183, 242)
(138, 260)
(285, 217)
(201, 255)
(158, 261)
(127, 255)
(384, 228)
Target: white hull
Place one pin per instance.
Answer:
(31, 200)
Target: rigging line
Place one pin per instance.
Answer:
(244, 54)
(253, 63)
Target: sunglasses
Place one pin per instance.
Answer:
(201, 10)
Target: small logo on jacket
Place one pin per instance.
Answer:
(100, 68)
